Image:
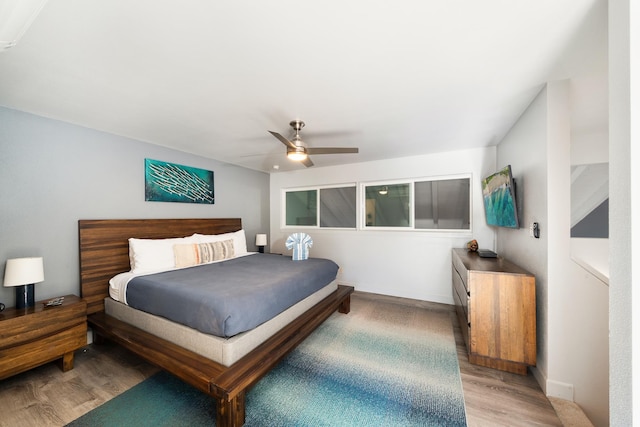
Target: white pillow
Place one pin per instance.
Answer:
(239, 240)
(151, 255)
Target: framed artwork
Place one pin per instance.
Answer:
(169, 182)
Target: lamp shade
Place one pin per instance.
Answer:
(23, 271)
(261, 240)
(15, 18)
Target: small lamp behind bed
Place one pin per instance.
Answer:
(261, 242)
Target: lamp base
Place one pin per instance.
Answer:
(25, 296)
(261, 249)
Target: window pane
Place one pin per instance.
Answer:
(338, 207)
(301, 207)
(442, 204)
(388, 205)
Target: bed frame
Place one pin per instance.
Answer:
(104, 252)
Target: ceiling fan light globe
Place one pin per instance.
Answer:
(298, 156)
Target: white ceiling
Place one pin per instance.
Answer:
(210, 77)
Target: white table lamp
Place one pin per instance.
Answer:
(22, 273)
(261, 242)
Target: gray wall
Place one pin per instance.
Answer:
(52, 174)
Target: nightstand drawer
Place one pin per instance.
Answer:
(21, 358)
(32, 336)
(40, 322)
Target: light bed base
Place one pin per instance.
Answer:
(104, 253)
(225, 351)
(228, 385)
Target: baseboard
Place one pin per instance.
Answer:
(553, 388)
(540, 378)
(433, 298)
(560, 390)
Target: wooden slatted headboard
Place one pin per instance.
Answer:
(104, 247)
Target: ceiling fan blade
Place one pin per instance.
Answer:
(331, 150)
(307, 162)
(282, 139)
(315, 134)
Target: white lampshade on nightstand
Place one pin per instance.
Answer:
(22, 273)
(261, 242)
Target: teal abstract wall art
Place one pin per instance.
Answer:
(169, 182)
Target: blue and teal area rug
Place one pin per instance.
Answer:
(383, 365)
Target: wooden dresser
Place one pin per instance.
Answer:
(33, 336)
(495, 302)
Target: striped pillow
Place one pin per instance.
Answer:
(201, 253)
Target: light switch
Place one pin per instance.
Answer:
(534, 230)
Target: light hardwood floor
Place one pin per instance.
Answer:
(492, 398)
(47, 397)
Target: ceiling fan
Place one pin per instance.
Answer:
(298, 151)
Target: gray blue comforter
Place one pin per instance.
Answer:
(232, 296)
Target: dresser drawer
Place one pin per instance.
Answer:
(461, 271)
(461, 295)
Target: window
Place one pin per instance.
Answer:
(421, 204)
(443, 204)
(331, 207)
(338, 207)
(412, 204)
(388, 205)
(302, 207)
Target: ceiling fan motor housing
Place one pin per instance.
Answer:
(297, 125)
(299, 150)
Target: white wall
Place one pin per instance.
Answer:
(530, 173)
(624, 178)
(586, 62)
(52, 174)
(408, 264)
(572, 304)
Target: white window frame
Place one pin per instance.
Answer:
(361, 205)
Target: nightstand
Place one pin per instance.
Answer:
(33, 336)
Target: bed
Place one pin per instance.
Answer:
(104, 253)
